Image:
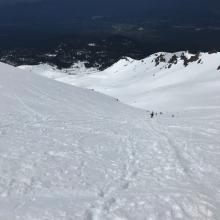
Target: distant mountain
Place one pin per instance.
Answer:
(162, 81)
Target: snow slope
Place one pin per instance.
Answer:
(68, 153)
(159, 87)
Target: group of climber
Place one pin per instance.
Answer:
(154, 114)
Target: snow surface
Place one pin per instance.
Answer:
(69, 153)
(142, 84)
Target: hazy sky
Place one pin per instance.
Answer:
(127, 4)
(14, 10)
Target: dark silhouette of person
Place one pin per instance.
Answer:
(152, 114)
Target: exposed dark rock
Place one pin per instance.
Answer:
(185, 59)
(160, 59)
(173, 59)
(199, 61)
(192, 59)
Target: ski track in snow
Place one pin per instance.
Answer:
(69, 153)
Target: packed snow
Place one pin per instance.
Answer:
(69, 153)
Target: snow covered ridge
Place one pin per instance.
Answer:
(154, 83)
(68, 153)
